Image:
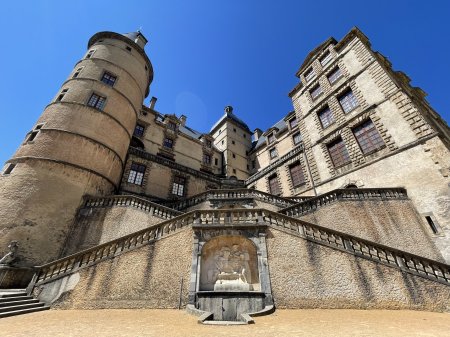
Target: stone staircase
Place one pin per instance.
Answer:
(17, 302)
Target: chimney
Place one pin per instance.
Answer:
(152, 103)
(256, 134)
(183, 120)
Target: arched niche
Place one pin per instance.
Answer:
(229, 263)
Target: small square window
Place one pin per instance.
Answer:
(234, 129)
(97, 101)
(245, 136)
(334, 75)
(326, 117)
(77, 72)
(139, 130)
(136, 174)
(61, 95)
(109, 79)
(348, 101)
(128, 48)
(90, 53)
(234, 171)
(273, 153)
(316, 91)
(168, 143)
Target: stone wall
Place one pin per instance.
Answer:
(394, 223)
(94, 226)
(308, 275)
(148, 277)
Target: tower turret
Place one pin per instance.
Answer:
(77, 147)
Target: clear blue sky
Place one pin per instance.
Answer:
(209, 54)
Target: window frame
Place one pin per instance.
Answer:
(335, 78)
(329, 118)
(299, 136)
(140, 133)
(273, 153)
(136, 173)
(300, 180)
(108, 81)
(371, 136)
(166, 142)
(179, 186)
(339, 157)
(326, 57)
(313, 93)
(99, 99)
(309, 75)
(274, 186)
(351, 103)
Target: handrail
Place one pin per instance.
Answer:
(221, 194)
(392, 257)
(311, 204)
(133, 201)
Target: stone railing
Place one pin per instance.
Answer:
(354, 194)
(131, 201)
(392, 257)
(231, 194)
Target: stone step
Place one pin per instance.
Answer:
(18, 302)
(13, 294)
(23, 311)
(15, 298)
(22, 306)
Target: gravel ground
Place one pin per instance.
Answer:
(174, 323)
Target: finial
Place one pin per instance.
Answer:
(228, 109)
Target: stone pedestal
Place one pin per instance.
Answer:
(15, 277)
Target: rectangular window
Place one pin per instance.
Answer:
(430, 223)
(293, 123)
(348, 101)
(9, 169)
(334, 75)
(234, 171)
(338, 153)
(77, 72)
(297, 138)
(109, 79)
(62, 94)
(234, 129)
(233, 142)
(136, 174)
(274, 188)
(128, 48)
(171, 126)
(309, 75)
(178, 186)
(296, 173)
(316, 91)
(90, 53)
(206, 159)
(325, 59)
(139, 130)
(234, 156)
(168, 143)
(271, 138)
(216, 161)
(97, 101)
(253, 164)
(273, 153)
(208, 143)
(368, 137)
(326, 117)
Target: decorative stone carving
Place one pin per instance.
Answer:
(9, 258)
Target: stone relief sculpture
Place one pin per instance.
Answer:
(230, 269)
(9, 257)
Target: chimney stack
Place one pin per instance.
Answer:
(152, 103)
(183, 120)
(256, 134)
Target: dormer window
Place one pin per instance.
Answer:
(271, 138)
(310, 74)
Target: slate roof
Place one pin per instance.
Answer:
(280, 125)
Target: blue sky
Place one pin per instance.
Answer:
(209, 54)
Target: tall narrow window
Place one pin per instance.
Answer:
(274, 188)
(432, 224)
(109, 79)
(168, 143)
(9, 169)
(334, 75)
(325, 59)
(32, 135)
(208, 143)
(178, 186)
(368, 138)
(136, 175)
(273, 153)
(97, 101)
(297, 176)
(61, 95)
(216, 161)
(316, 91)
(309, 75)
(271, 138)
(338, 153)
(348, 101)
(139, 130)
(326, 117)
(206, 159)
(297, 137)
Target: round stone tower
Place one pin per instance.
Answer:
(77, 147)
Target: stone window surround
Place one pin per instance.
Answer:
(127, 170)
(344, 147)
(105, 101)
(379, 135)
(303, 177)
(176, 174)
(111, 74)
(275, 175)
